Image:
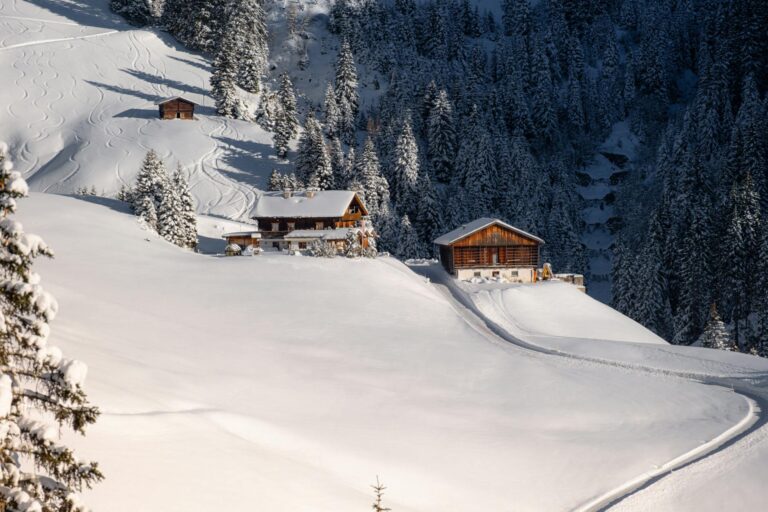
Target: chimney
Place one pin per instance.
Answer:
(287, 193)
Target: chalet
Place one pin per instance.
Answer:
(176, 108)
(490, 248)
(290, 220)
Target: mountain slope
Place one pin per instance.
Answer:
(291, 382)
(80, 107)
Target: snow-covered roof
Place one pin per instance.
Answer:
(242, 234)
(323, 234)
(166, 100)
(476, 225)
(306, 233)
(324, 203)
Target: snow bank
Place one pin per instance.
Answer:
(560, 309)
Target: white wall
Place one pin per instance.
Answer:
(521, 275)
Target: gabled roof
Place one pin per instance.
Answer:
(166, 100)
(476, 225)
(324, 204)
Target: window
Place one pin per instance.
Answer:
(319, 225)
(495, 273)
(275, 245)
(178, 115)
(291, 226)
(353, 209)
(477, 273)
(302, 245)
(275, 226)
(513, 273)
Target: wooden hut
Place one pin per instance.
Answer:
(490, 248)
(176, 108)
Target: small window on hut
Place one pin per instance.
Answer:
(477, 273)
(353, 209)
(275, 226)
(291, 226)
(319, 225)
(302, 245)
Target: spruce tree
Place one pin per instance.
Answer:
(408, 244)
(137, 12)
(313, 161)
(715, 334)
(224, 77)
(169, 222)
(331, 113)
(345, 88)
(246, 31)
(188, 219)
(405, 171)
(151, 183)
(286, 96)
(369, 172)
(40, 391)
(441, 138)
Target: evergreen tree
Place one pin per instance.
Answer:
(169, 222)
(40, 391)
(137, 12)
(347, 98)
(743, 243)
(286, 123)
(151, 183)
(276, 181)
(224, 77)
(375, 185)
(715, 334)
(429, 218)
(332, 113)
(441, 137)
(246, 32)
(408, 244)
(188, 219)
(313, 163)
(406, 171)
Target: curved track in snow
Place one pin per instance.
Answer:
(753, 389)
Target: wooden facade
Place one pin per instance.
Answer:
(177, 108)
(493, 246)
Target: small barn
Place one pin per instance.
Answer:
(490, 248)
(176, 108)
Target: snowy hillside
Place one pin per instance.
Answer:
(79, 107)
(224, 376)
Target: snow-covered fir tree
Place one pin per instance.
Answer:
(715, 334)
(405, 170)
(286, 122)
(188, 219)
(441, 138)
(368, 171)
(150, 186)
(313, 162)
(408, 243)
(138, 12)
(224, 78)
(347, 97)
(331, 113)
(246, 31)
(41, 392)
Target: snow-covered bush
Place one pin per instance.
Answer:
(233, 250)
(322, 249)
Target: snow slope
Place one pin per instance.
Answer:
(79, 107)
(289, 383)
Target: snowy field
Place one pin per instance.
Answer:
(79, 107)
(291, 382)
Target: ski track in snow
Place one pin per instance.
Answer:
(57, 40)
(753, 389)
